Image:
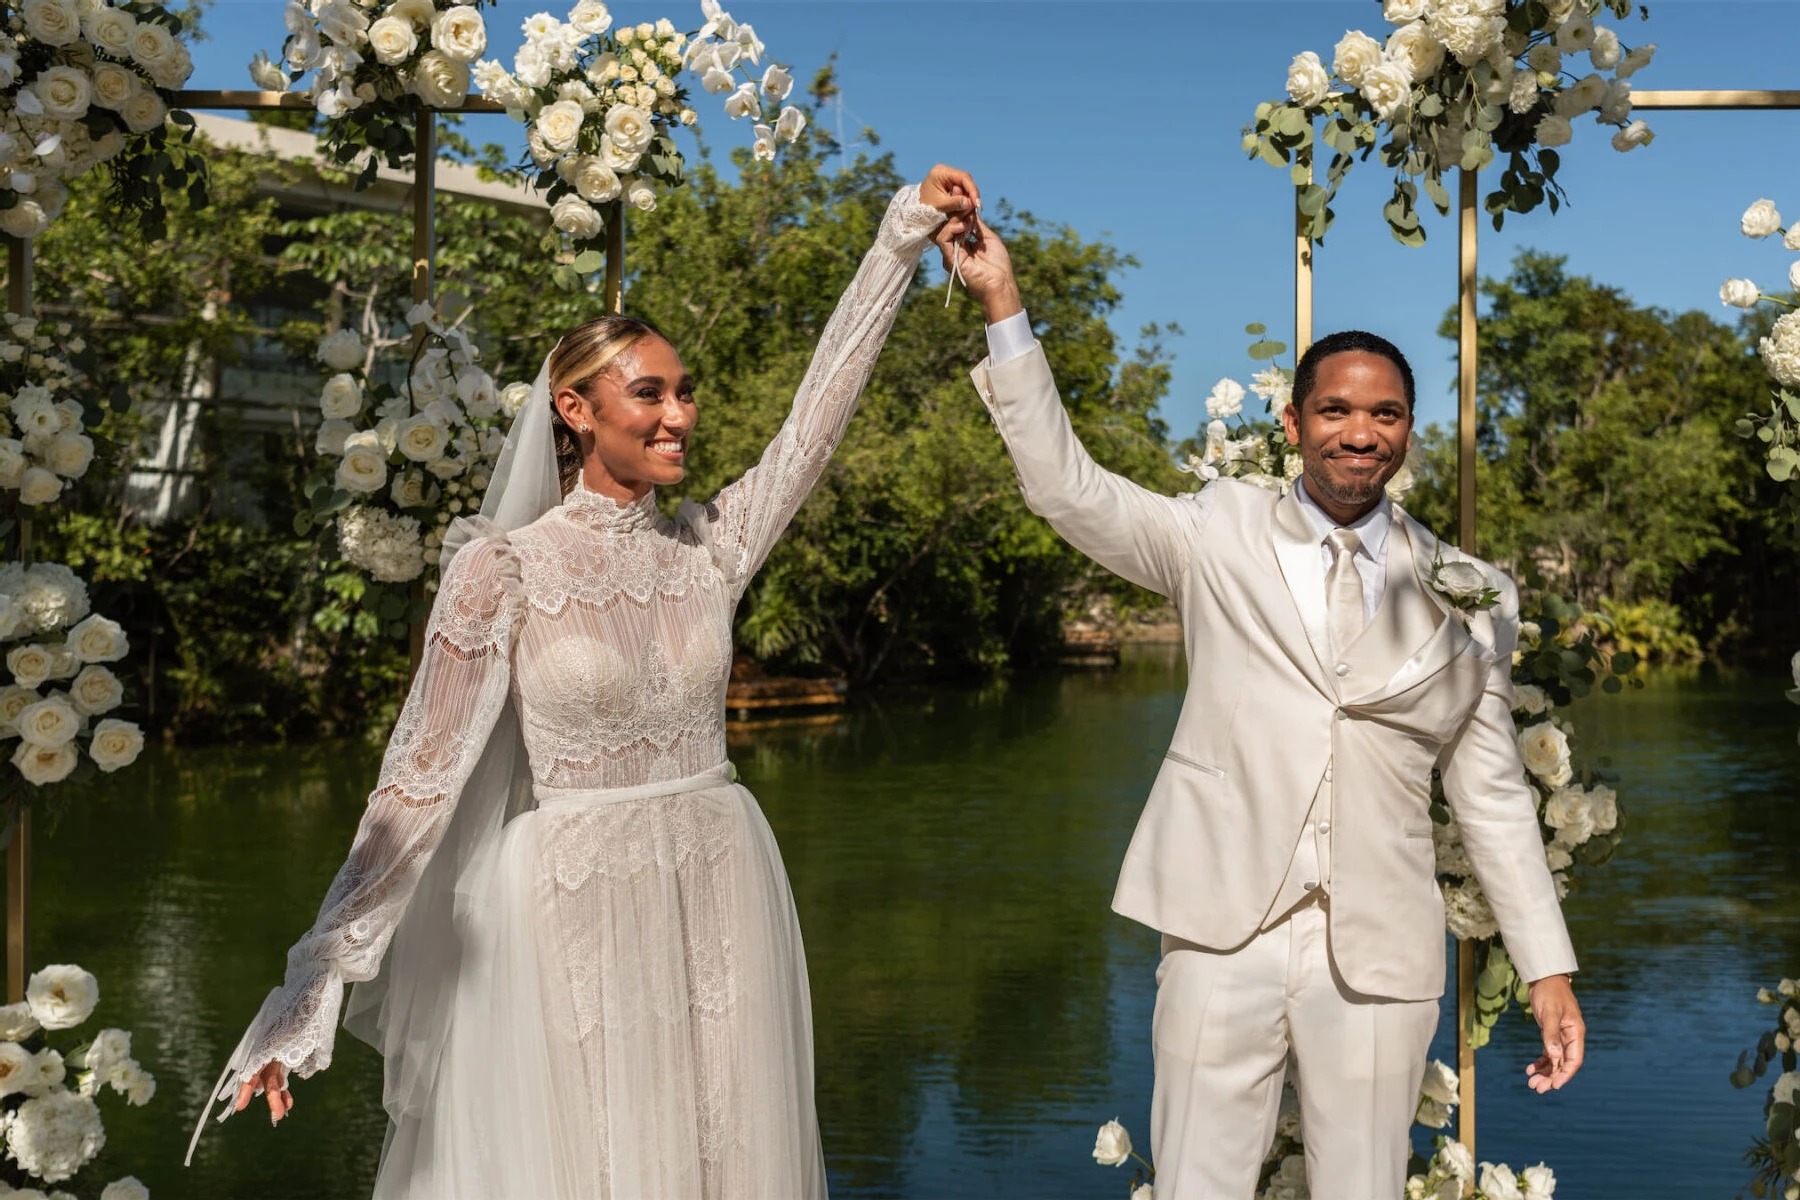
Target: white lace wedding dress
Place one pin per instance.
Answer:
(605, 995)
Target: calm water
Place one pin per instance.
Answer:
(978, 1009)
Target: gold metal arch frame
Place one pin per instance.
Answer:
(1468, 215)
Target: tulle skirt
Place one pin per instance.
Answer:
(627, 1017)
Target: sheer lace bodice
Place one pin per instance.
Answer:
(608, 627)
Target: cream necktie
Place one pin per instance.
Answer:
(1344, 590)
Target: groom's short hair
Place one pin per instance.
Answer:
(1307, 373)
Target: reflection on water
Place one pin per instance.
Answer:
(978, 1009)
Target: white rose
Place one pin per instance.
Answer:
(341, 397)
(1605, 52)
(1554, 131)
(789, 124)
(174, 73)
(26, 219)
(12, 462)
(594, 181)
(341, 350)
(38, 486)
(1357, 53)
(96, 690)
(514, 395)
(1761, 220)
(1636, 134)
(18, 1067)
(441, 81)
(116, 744)
(1530, 699)
(128, 1188)
(1440, 1083)
(1584, 95)
(1635, 61)
(152, 45)
(577, 218)
(1461, 580)
(1545, 59)
(1387, 88)
(743, 102)
(54, 595)
(30, 666)
(1414, 46)
(53, 22)
(460, 33)
(1307, 82)
(559, 125)
(114, 86)
(1144, 1191)
(69, 454)
(110, 29)
(1499, 1183)
(50, 722)
(1398, 12)
(1604, 803)
(48, 1070)
(393, 40)
(62, 996)
(589, 17)
(331, 437)
(1113, 1145)
(1545, 749)
(532, 66)
(615, 158)
(1431, 1113)
(1557, 856)
(64, 92)
(641, 195)
(422, 439)
(408, 490)
(630, 129)
(363, 468)
(16, 1022)
(1740, 293)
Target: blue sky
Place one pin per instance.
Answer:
(1122, 120)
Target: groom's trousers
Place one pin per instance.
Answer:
(1225, 1025)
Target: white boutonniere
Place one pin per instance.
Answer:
(1463, 585)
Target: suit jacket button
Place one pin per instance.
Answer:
(1324, 826)
(1311, 885)
(1342, 715)
(1343, 669)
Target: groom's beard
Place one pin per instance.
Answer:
(1348, 492)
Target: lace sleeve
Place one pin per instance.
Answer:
(455, 699)
(746, 518)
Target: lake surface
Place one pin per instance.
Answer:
(979, 1010)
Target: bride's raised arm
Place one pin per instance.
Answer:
(747, 517)
(455, 699)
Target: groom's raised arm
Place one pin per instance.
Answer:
(1145, 537)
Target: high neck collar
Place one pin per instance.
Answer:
(608, 515)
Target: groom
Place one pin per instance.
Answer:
(1285, 853)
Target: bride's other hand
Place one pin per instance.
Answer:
(272, 1082)
(949, 190)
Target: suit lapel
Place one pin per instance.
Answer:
(1297, 553)
(1416, 634)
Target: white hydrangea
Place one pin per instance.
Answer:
(386, 545)
(55, 1135)
(1467, 913)
(1780, 351)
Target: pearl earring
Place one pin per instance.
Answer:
(584, 429)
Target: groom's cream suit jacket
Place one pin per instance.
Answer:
(1276, 726)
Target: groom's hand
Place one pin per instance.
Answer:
(986, 267)
(1565, 1035)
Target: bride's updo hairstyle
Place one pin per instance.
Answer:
(584, 352)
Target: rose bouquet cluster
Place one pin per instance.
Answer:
(43, 431)
(57, 652)
(50, 1120)
(1775, 1155)
(599, 103)
(1779, 428)
(84, 82)
(1455, 83)
(402, 462)
(373, 65)
(1451, 1172)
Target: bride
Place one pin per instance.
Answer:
(570, 929)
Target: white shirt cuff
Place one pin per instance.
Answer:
(1009, 339)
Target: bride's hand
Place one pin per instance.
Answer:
(272, 1082)
(950, 191)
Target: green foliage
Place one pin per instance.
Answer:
(1774, 1156)
(1606, 461)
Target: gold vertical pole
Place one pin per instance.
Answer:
(614, 294)
(1465, 494)
(1303, 267)
(424, 282)
(19, 268)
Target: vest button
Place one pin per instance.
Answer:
(1343, 669)
(1311, 885)
(1342, 715)
(1324, 826)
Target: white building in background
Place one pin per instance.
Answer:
(265, 391)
